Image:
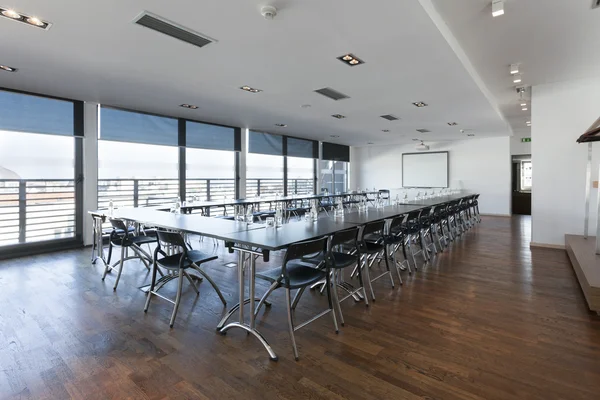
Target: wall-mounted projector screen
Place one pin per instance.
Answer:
(425, 170)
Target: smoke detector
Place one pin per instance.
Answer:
(422, 147)
(269, 12)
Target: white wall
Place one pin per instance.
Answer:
(561, 112)
(481, 165)
(519, 148)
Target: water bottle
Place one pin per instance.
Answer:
(178, 205)
(249, 215)
(278, 215)
(111, 207)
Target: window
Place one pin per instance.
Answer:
(526, 175)
(137, 175)
(300, 175)
(138, 159)
(210, 174)
(264, 164)
(334, 176)
(38, 155)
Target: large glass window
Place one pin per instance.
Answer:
(334, 176)
(210, 174)
(264, 175)
(300, 175)
(135, 174)
(138, 159)
(37, 169)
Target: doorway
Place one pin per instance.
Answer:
(521, 184)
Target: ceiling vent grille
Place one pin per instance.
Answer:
(159, 24)
(596, 4)
(390, 117)
(332, 94)
(423, 130)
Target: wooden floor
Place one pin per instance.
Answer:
(488, 319)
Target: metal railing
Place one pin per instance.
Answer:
(33, 210)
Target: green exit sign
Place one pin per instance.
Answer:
(526, 140)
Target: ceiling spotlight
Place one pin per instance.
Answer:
(7, 68)
(20, 17)
(250, 89)
(338, 116)
(35, 21)
(514, 69)
(351, 60)
(281, 125)
(524, 108)
(517, 78)
(334, 136)
(528, 123)
(420, 104)
(523, 104)
(190, 106)
(497, 8)
(11, 14)
(385, 130)
(452, 123)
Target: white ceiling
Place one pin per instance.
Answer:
(554, 40)
(94, 52)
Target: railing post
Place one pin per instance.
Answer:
(136, 191)
(258, 187)
(208, 189)
(22, 210)
(295, 186)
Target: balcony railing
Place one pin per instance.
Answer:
(33, 210)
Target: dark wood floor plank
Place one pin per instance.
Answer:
(489, 318)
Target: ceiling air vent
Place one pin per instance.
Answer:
(164, 26)
(423, 130)
(390, 117)
(332, 94)
(596, 4)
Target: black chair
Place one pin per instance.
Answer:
(177, 263)
(122, 236)
(371, 245)
(425, 219)
(438, 219)
(395, 238)
(411, 228)
(298, 274)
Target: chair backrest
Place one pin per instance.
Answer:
(413, 215)
(308, 249)
(397, 222)
(171, 238)
(347, 236)
(373, 227)
(118, 224)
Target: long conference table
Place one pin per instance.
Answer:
(250, 240)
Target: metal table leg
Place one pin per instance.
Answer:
(98, 251)
(241, 323)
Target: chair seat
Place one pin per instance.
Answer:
(194, 256)
(373, 247)
(137, 240)
(299, 275)
(341, 260)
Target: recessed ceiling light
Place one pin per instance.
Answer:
(523, 104)
(420, 104)
(190, 106)
(338, 116)
(524, 108)
(334, 136)
(305, 106)
(390, 117)
(517, 78)
(528, 123)
(370, 143)
(11, 14)
(452, 123)
(281, 125)
(497, 8)
(250, 89)
(8, 69)
(416, 140)
(27, 19)
(514, 69)
(423, 130)
(385, 130)
(350, 60)
(470, 134)
(35, 21)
